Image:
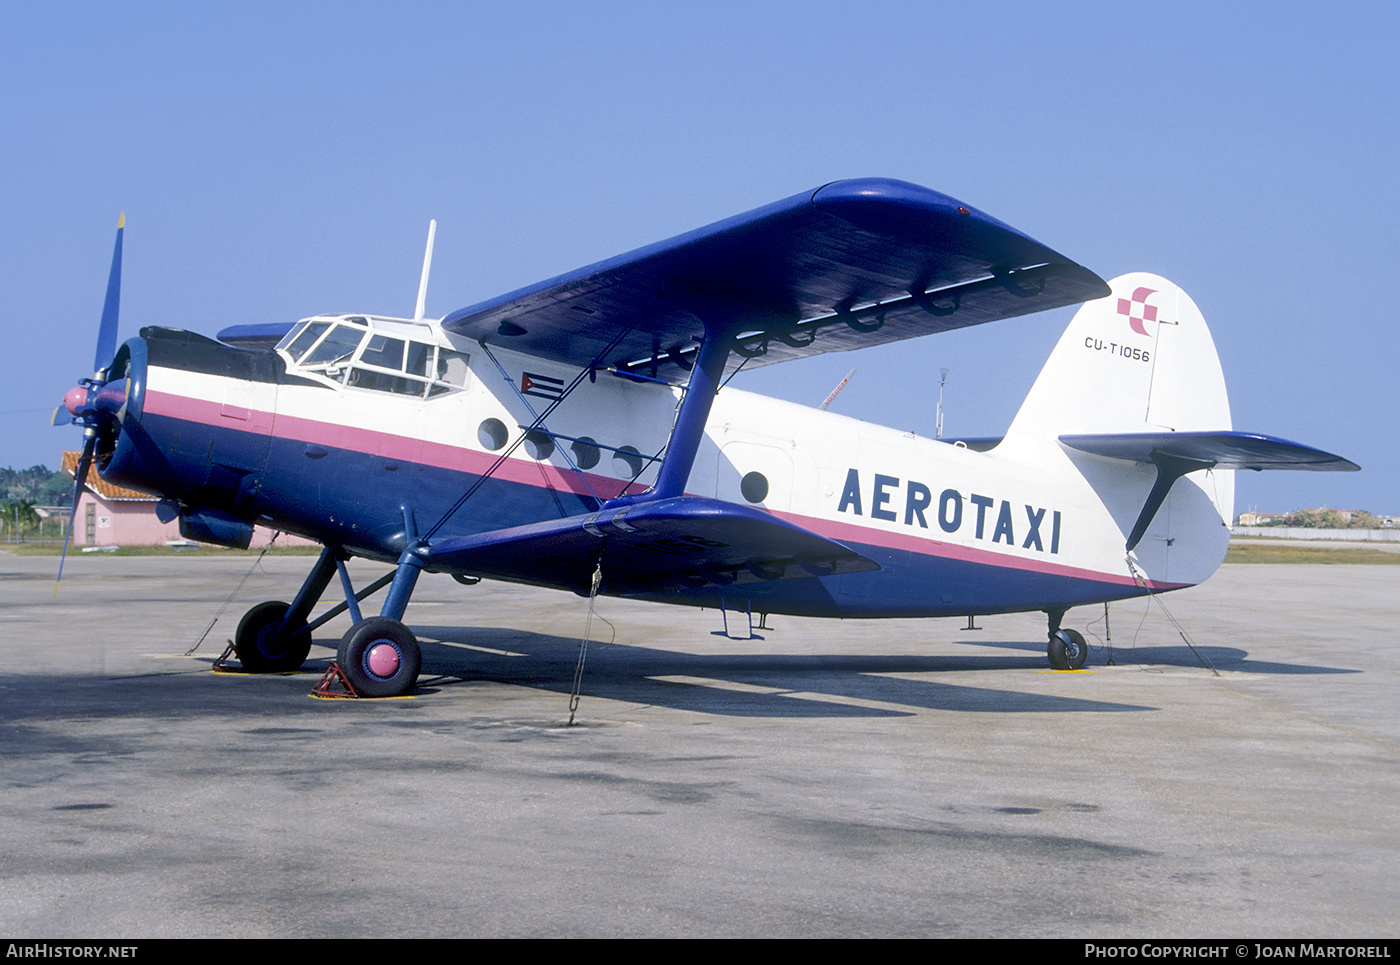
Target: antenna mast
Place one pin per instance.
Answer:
(423, 282)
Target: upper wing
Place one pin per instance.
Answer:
(851, 264)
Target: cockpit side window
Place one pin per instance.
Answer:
(452, 367)
(381, 366)
(383, 352)
(418, 356)
(451, 371)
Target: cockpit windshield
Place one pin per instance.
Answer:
(337, 346)
(305, 338)
(355, 352)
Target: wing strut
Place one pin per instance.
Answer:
(723, 319)
(539, 421)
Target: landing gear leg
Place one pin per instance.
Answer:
(379, 655)
(272, 637)
(1067, 649)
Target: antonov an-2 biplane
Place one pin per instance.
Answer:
(574, 435)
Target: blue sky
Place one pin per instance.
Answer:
(275, 160)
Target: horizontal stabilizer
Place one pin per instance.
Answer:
(685, 542)
(1221, 450)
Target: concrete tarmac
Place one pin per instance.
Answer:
(844, 779)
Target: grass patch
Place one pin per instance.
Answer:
(1346, 555)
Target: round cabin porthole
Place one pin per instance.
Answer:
(627, 463)
(586, 452)
(539, 445)
(492, 434)
(754, 487)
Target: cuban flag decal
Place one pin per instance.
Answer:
(541, 386)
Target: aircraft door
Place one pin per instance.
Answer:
(755, 474)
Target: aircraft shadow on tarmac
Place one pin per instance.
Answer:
(796, 685)
(1232, 659)
(756, 685)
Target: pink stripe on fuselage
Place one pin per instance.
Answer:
(469, 461)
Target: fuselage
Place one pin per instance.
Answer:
(356, 424)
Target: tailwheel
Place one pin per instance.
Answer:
(380, 657)
(267, 644)
(1068, 650)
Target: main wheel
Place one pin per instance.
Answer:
(266, 644)
(1067, 650)
(380, 657)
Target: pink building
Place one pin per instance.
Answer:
(112, 516)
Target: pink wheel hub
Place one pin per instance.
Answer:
(383, 659)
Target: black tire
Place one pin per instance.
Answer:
(264, 643)
(380, 657)
(1067, 650)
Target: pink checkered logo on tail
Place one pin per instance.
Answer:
(1138, 311)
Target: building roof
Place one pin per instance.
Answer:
(101, 487)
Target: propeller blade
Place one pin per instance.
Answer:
(107, 331)
(78, 400)
(84, 463)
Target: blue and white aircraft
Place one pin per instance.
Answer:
(577, 434)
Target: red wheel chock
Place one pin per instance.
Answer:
(221, 665)
(333, 677)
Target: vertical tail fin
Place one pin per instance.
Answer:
(1134, 397)
(1141, 364)
(1140, 360)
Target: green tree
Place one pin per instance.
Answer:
(24, 483)
(58, 490)
(1317, 519)
(18, 517)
